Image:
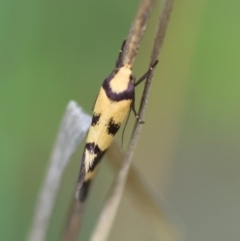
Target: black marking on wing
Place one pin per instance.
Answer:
(124, 95)
(84, 190)
(84, 185)
(94, 149)
(112, 127)
(95, 119)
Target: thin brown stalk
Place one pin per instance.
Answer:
(157, 46)
(137, 31)
(103, 227)
(74, 220)
(74, 126)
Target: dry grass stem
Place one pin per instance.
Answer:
(143, 198)
(75, 219)
(137, 31)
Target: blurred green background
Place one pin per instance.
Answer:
(55, 51)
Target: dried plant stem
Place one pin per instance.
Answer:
(137, 31)
(157, 46)
(73, 128)
(143, 198)
(74, 220)
(109, 211)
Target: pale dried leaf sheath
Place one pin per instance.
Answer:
(73, 128)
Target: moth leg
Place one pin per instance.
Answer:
(137, 83)
(146, 74)
(135, 112)
(119, 59)
(124, 128)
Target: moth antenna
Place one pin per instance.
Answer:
(120, 55)
(124, 128)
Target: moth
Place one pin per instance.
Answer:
(115, 100)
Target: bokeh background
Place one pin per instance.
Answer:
(55, 51)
